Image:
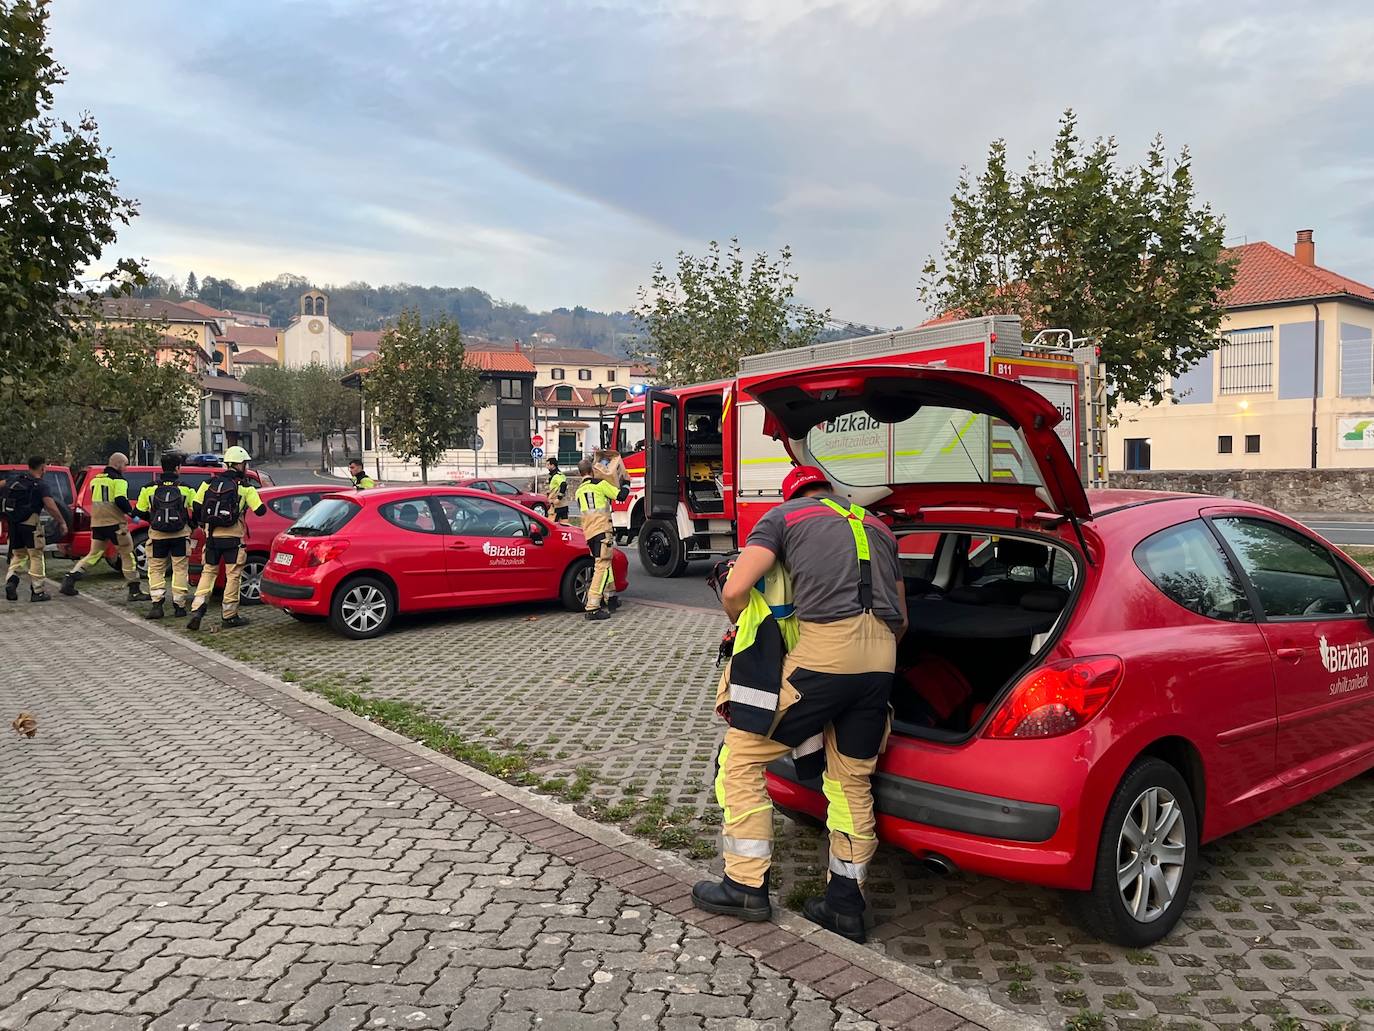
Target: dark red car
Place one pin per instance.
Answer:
(1093, 685)
(357, 558)
(509, 491)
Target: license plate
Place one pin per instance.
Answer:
(283, 558)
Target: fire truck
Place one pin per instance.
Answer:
(702, 470)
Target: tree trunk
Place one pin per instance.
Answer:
(324, 445)
(424, 472)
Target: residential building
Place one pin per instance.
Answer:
(251, 359)
(1291, 385)
(174, 320)
(226, 410)
(237, 339)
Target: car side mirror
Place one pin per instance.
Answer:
(536, 533)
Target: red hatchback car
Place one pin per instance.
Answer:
(359, 558)
(1091, 687)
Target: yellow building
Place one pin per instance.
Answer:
(1290, 326)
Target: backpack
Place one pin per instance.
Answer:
(221, 505)
(169, 509)
(20, 498)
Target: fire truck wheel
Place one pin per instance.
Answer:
(660, 549)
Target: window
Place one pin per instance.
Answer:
(618, 395)
(584, 374)
(412, 514)
(1357, 361)
(1189, 568)
(1224, 445)
(479, 517)
(1293, 575)
(1247, 361)
(329, 516)
(502, 487)
(557, 374)
(562, 393)
(610, 375)
(510, 390)
(293, 506)
(1137, 454)
(215, 409)
(314, 357)
(1252, 443)
(1355, 587)
(567, 413)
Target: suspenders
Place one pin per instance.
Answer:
(854, 517)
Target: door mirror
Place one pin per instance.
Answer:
(536, 533)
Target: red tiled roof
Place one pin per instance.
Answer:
(366, 339)
(581, 396)
(566, 355)
(205, 309)
(149, 308)
(254, 357)
(250, 336)
(486, 361)
(1267, 275)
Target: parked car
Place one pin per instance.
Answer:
(1093, 685)
(359, 558)
(204, 458)
(63, 490)
(505, 489)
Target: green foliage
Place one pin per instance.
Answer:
(1125, 255)
(192, 286)
(324, 405)
(425, 395)
(717, 310)
(61, 206)
(277, 400)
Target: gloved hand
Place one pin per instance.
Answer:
(727, 646)
(624, 493)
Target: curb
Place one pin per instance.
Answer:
(882, 989)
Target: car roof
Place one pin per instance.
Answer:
(277, 490)
(378, 495)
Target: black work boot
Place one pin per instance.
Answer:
(731, 899)
(595, 614)
(233, 621)
(36, 595)
(69, 584)
(613, 603)
(850, 925)
(194, 622)
(178, 610)
(136, 592)
(12, 588)
(155, 611)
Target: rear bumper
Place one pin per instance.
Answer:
(281, 592)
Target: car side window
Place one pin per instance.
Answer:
(502, 487)
(1189, 568)
(1293, 575)
(293, 506)
(413, 514)
(478, 517)
(1355, 586)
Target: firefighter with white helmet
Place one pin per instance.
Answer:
(221, 506)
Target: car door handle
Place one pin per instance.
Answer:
(458, 544)
(1289, 654)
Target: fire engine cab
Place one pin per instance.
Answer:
(702, 471)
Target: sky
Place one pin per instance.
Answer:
(551, 151)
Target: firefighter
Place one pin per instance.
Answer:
(25, 499)
(826, 697)
(558, 491)
(594, 498)
(110, 512)
(221, 505)
(167, 506)
(361, 480)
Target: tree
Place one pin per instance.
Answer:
(276, 404)
(192, 287)
(425, 393)
(61, 205)
(324, 405)
(1127, 256)
(699, 324)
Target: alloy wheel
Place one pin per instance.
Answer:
(1151, 852)
(250, 583)
(363, 608)
(582, 581)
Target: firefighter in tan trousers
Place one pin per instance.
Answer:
(167, 506)
(850, 608)
(594, 499)
(110, 512)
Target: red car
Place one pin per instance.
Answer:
(504, 489)
(1092, 686)
(63, 490)
(359, 558)
(284, 506)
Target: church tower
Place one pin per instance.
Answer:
(311, 339)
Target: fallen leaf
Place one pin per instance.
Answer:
(25, 724)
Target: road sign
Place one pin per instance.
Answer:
(536, 453)
(478, 443)
(536, 441)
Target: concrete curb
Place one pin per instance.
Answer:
(517, 804)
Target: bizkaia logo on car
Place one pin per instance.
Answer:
(1346, 658)
(504, 554)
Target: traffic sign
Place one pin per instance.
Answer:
(536, 453)
(478, 443)
(536, 441)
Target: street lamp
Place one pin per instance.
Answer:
(601, 397)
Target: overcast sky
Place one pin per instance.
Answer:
(550, 151)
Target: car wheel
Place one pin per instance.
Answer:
(250, 581)
(140, 556)
(1146, 859)
(576, 579)
(542, 510)
(362, 608)
(660, 549)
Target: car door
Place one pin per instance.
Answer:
(413, 552)
(1319, 641)
(491, 556)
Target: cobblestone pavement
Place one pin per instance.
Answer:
(182, 846)
(1281, 928)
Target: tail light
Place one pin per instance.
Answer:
(324, 551)
(1057, 698)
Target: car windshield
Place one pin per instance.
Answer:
(330, 516)
(935, 445)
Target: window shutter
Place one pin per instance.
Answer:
(1357, 362)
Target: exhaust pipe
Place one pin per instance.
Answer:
(939, 864)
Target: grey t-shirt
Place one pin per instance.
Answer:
(818, 549)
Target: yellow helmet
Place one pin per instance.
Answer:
(236, 454)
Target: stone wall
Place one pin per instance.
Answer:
(1289, 490)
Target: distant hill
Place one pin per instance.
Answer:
(361, 306)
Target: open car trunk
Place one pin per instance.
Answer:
(984, 607)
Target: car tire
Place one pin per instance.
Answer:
(250, 580)
(140, 556)
(1139, 910)
(539, 509)
(362, 608)
(572, 592)
(660, 549)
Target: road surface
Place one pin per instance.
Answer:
(1342, 529)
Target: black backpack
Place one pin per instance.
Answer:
(221, 505)
(20, 499)
(169, 509)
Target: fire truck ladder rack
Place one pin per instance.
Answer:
(1060, 341)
